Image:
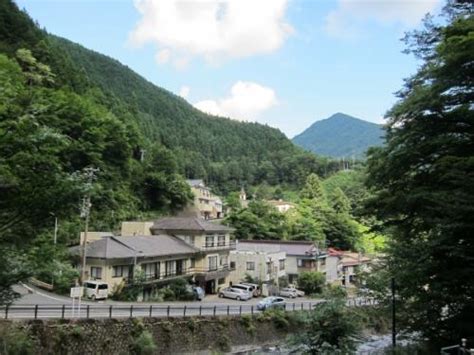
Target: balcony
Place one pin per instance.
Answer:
(168, 275)
(212, 273)
(219, 246)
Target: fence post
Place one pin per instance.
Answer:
(63, 309)
(240, 310)
(151, 309)
(214, 311)
(87, 314)
(110, 311)
(228, 309)
(184, 311)
(168, 312)
(251, 310)
(131, 311)
(200, 310)
(6, 311)
(294, 306)
(36, 311)
(301, 306)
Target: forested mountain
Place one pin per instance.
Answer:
(225, 152)
(340, 136)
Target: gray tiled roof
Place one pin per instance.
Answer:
(136, 246)
(188, 224)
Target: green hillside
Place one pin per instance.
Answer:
(340, 136)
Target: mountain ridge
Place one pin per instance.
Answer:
(340, 135)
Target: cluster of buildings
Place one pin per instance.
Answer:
(200, 249)
(204, 253)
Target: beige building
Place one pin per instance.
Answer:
(209, 205)
(263, 266)
(300, 255)
(213, 242)
(281, 206)
(165, 249)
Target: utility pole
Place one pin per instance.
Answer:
(85, 213)
(55, 230)
(394, 329)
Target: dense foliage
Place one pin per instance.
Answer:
(341, 136)
(424, 180)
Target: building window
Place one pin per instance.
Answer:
(170, 268)
(223, 261)
(209, 241)
(121, 271)
(193, 263)
(221, 281)
(188, 239)
(232, 265)
(212, 263)
(281, 264)
(96, 273)
(250, 265)
(151, 270)
(221, 240)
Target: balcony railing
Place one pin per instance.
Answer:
(162, 276)
(219, 246)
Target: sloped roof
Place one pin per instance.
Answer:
(306, 248)
(136, 246)
(195, 182)
(188, 224)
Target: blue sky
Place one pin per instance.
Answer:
(286, 63)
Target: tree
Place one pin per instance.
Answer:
(313, 189)
(330, 329)
(424, 179)
(311, 282)
(340, 203)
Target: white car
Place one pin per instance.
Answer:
(288, 292)
(235, 293)
(299, 293)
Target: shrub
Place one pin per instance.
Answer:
(334, 292)
(181, 290)
(143, 344)
(311, 282)
(15, 341)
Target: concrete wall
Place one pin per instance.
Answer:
(262, 271)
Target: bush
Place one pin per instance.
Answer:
(143, 344)
(330, 328)
(15, 341)
(181, 290)
(311, 282)
(334, 292)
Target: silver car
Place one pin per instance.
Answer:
(288, 292)
(235, 293)
(271, 302)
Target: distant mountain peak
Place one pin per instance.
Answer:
(340, 135)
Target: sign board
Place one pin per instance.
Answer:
(76, 292)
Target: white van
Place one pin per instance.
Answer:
(249, 288)
(96, 290)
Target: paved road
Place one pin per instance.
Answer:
(40, 304)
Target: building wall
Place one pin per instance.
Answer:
(136, 228)
(332, 269)
(264, 270)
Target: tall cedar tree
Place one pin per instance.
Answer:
(424, 179)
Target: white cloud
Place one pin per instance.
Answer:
(163, 56)
(246, 102)
(347, 20)
(213, 29)
(184, 91)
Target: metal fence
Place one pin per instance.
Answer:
(150, 310)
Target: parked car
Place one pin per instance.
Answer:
(96, 290)
(197, 291)
(271, 302)
(245, 287)
(298, 292)
(288, 292)
(235, 293)
(256, 288)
